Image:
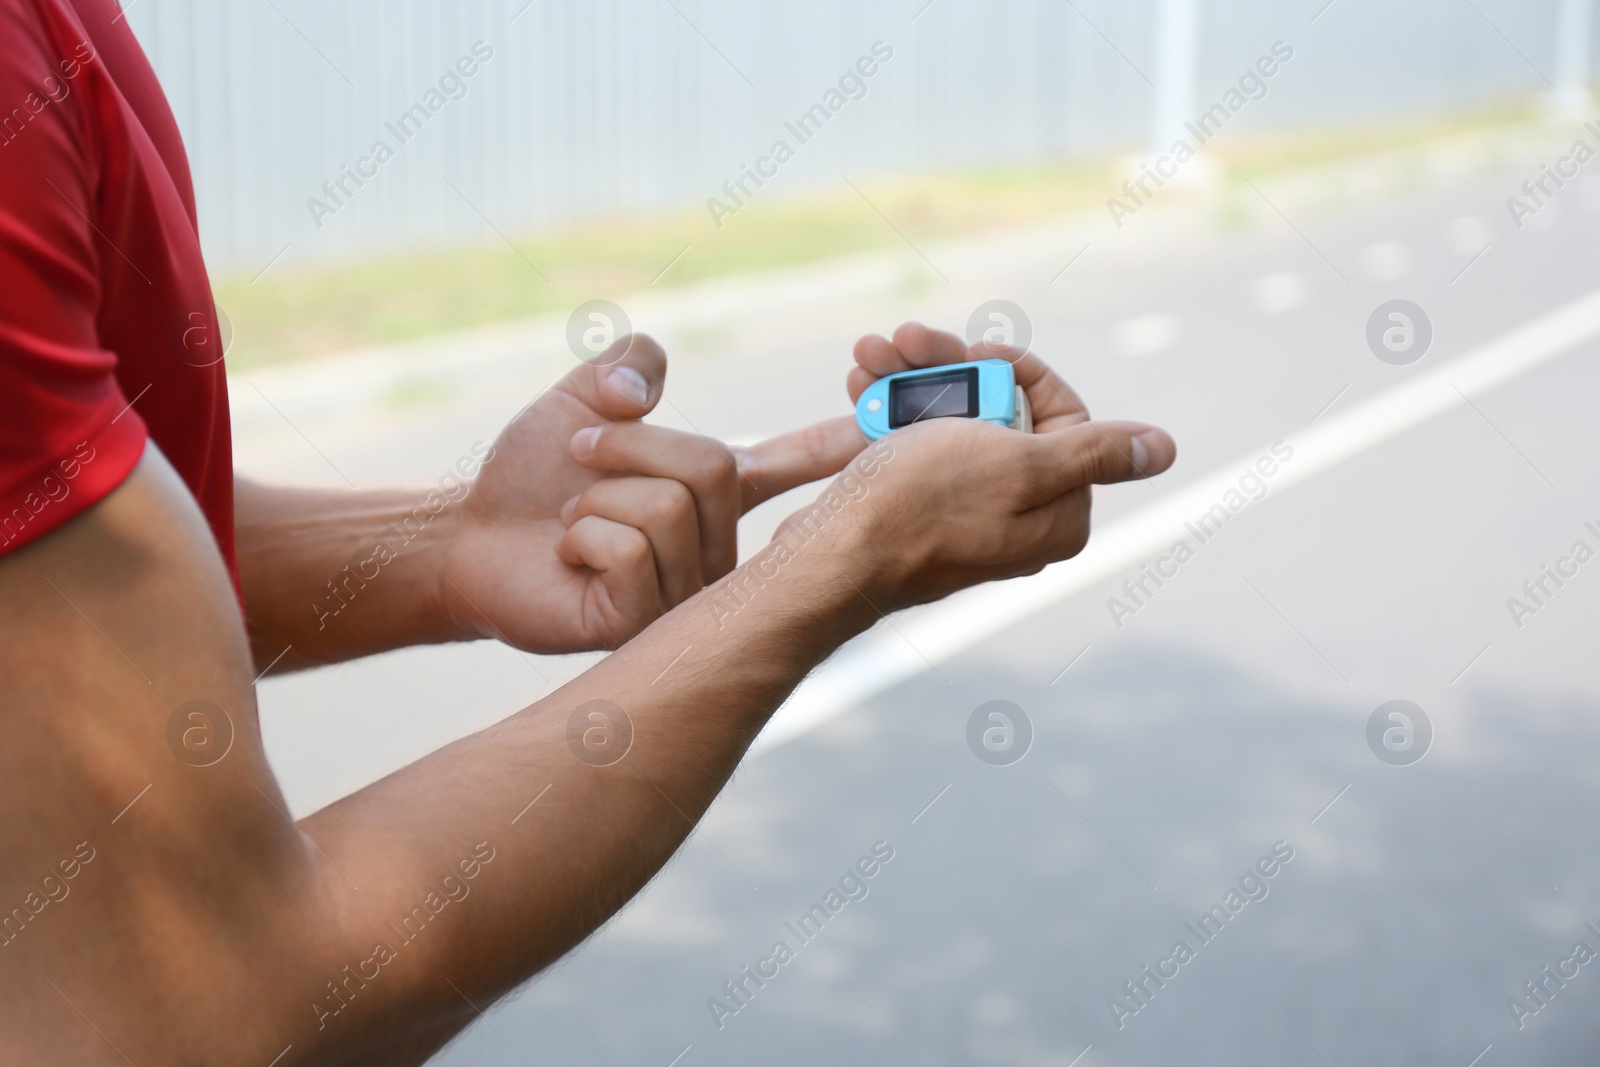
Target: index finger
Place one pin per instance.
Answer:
(781, 463)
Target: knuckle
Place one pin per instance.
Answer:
(702, 459)
(674, 505)
(658, 511)
(636, 552)
(720, 474)
(1090, 461)
(815, 442)
(1076, 540)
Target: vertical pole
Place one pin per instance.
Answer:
(1573, 29)
(1177, 69)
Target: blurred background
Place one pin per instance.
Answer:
(1379, 261)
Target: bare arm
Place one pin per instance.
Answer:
(208, 928)
(536, 538)
(203, 899)
(206, 891)
(315, 591)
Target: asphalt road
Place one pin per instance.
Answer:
(1226, 718)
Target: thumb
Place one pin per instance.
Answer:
(623, 382)
(781, 463)
(1098, 453)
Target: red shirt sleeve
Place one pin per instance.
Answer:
(68, 435)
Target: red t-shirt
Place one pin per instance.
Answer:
(108, 333)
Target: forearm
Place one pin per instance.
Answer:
(209, 927)
(372, 930)
(696, 687)
(331, 574)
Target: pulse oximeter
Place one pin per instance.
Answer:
(986, 390)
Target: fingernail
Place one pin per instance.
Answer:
(1141, 452)
(583, 441)
(631, 384)
(566, 511)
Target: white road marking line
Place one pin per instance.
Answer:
(880, 660)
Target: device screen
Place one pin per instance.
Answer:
(936, 396)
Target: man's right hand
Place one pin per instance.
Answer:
(964, 502)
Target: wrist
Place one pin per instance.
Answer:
(403, 545)
(338, 574)
(815, 572)
(440, 603)
(457, 602)
(841, 535)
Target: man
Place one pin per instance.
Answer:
(157, 904)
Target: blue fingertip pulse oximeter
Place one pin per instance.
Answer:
(986, 390)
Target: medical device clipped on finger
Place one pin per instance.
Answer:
(985, 390)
